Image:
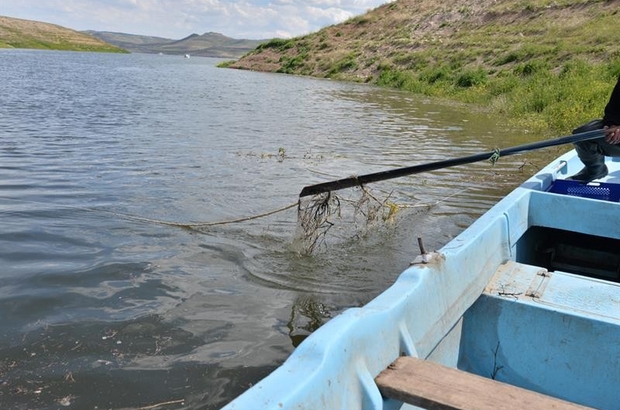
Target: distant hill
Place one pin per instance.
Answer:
(205, 45)
(18, 33)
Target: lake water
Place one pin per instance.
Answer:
(106, 303)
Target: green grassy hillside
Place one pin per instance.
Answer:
(545, 65)
(18, 33)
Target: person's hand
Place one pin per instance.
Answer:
(612, 134)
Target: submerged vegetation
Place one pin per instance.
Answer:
(544, 65)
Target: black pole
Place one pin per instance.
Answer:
(432, 166)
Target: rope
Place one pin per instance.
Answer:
(495, 156)
(191, 225)
(196, 225)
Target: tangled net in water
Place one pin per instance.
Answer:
(316, 216)
(314, 220)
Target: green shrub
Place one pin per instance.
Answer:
(614, 68)
(289, 64)
(349, 62)
(435, 74)
(279, 44)
(471, 78)
(531, 68)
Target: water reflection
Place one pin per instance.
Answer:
(307, 315)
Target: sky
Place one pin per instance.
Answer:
(176, 19)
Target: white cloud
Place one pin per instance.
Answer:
(258, 19)
(331, 14)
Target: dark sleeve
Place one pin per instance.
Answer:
(612, 110)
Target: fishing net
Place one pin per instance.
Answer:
(353, 215)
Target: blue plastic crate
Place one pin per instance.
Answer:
(594, 190)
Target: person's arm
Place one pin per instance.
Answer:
(612, 116)
(612, 134)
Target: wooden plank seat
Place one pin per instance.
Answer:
(436, 387)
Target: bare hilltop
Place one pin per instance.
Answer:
(19, 33)
(206, 45)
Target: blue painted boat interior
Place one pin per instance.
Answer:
(529, 295)
(553, 334)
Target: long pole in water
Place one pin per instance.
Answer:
(432, 166)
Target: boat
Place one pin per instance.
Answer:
(523, 303)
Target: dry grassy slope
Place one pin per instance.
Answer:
(18, 33)
(412, 34)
